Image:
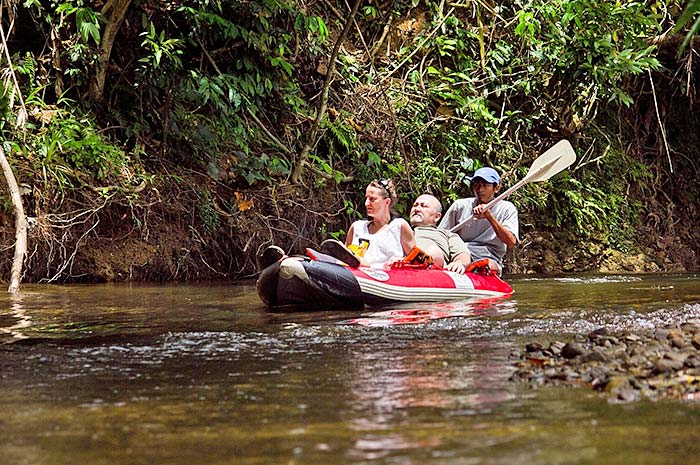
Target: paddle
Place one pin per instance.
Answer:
(553, 161)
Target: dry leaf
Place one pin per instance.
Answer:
(243, 204)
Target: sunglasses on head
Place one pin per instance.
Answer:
(383, 183)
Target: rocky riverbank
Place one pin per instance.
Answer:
(652, 364)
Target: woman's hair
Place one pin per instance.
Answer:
(386, 186)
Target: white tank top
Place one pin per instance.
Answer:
(383, 245)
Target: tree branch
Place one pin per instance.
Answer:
(20, 224)
(117, 10)
(311, 140)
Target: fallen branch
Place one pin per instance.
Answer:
(20, 225)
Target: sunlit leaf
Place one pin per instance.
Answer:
(243, 204)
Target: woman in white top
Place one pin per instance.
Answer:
(387, 237)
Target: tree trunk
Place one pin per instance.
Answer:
(311, 140)
(114, 11)
(20, 225)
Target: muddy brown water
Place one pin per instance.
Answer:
(204, 374)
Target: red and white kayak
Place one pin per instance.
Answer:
(301, 281)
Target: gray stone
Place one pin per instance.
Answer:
(594, 355)
(628, 395)
(598, 333)
(571, 350)
(661, 334)
(678, 357)
(556, 347)
(666, 365)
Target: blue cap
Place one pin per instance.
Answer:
(487, 174)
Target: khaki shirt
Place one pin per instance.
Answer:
(450, 243)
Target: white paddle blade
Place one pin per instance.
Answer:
(560, 156)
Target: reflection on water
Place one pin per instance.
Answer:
(204, 374)
(17, 319)
(423, 313)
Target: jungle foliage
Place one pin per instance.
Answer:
(424, 93)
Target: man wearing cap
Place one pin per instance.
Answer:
(492, 231)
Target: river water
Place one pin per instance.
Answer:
(204, 374)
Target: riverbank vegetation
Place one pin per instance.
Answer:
(175, 140)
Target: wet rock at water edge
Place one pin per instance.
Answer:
(656, 363)
(600, 332)
(594, 355)
(533, 347)
(571, 350)
(554, 348)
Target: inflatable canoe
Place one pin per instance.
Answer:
(303, 282)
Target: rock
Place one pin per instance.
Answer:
(695, 341)
(616, 383)
(691, 326)
(607, 341)
(639, 372)
(556, 347)
(661, 334)
(678, 357)
(628, 395)
(675, 332)
(652, 351)
(533, 347)
(594, 355)
(666, 365)
(638, 361)
(678, 342)
(595, 375)
(635, 383)
(571, 350)
(598, 333)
